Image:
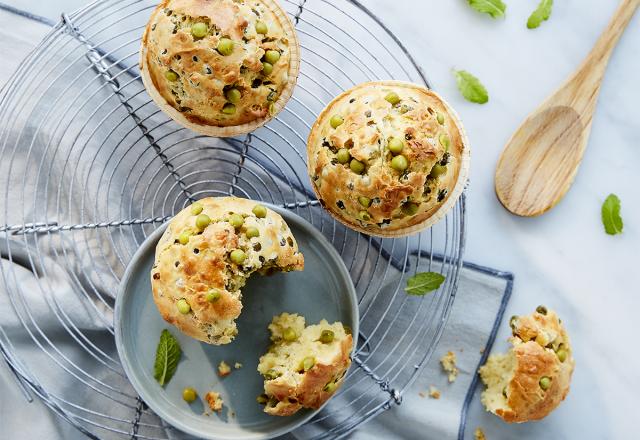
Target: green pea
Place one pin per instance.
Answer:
(392, 98)
(183, 238)
(364, 201)
(189, 394)
(440, 118)
(336, 121)
(236, 220)
(542, 310)
(437, 171)
(202, 221)
(545, 382)
(229, 109)
(225, 46)
(213, 295)
(259, 211)
(196, 208)
(199, 29)
(399, 163)
(356, 166)
(183, 306)
(233, 95)
(272, 56)
(271, 374)
(252, 232)
(444, 141)
(308, 363)
(364, 216)
(289, 334)
(343, 155)
(326, 336)
(171, 75)
(562, 355)
(330, 387)
(267, 68)
(261, 27)
(238, 256)
(410, 208)
(262, 399)
(395, 145)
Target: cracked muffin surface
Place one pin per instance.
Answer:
(205, 256)
(388, 158)
(220, 62)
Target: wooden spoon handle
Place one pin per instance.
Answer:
(598, 58)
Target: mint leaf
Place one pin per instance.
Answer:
(167, 357)
(471, 87)
(611, 215)
(495, 8)
(423, 282)
(542, 13)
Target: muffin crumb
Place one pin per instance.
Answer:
(224, 369)
(434, 393)
(214, 401)
(448, 362)
(237, 365)
(479, 434)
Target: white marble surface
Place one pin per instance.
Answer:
(562, 259)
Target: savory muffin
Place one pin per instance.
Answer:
(388, 158)
(305, 365)
(220, 67)
(205, 256)
(533, 378)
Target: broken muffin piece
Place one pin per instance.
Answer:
(533, 377)
(214, 401)
(223, 369)
(448, 362)
(304, 365)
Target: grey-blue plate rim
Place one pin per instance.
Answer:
(152, 240)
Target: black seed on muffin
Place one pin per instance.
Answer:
(257, 247)
(156, 276)
(408, 136)
(445, 159)
(283, 242)
(261, 259)
(256, 83)
(340, 204)
(177, 263)
(290, 241)
(195, 58)
(367, 113)
(196, 251)
(352, 100)
(442, 194)
(153, 27)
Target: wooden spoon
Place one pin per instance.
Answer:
(542, 157)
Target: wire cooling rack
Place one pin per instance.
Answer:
(90, 167)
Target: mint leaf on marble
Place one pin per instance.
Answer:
(167, 357)
(542, 13)
(424, 282)
(611, 215)
(471, 87)
(495, 8)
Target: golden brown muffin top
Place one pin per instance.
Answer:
(385, 156)
(221, 62)
(197, 263)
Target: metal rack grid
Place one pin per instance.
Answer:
(91, 167)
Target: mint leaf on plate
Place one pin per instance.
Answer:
(611, 215)
(495, 8)
(542, 13)
(424, 282)
(471, 87)
(167, 357)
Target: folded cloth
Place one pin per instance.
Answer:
(51, 329)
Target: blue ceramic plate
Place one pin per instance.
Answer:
(323, 290)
